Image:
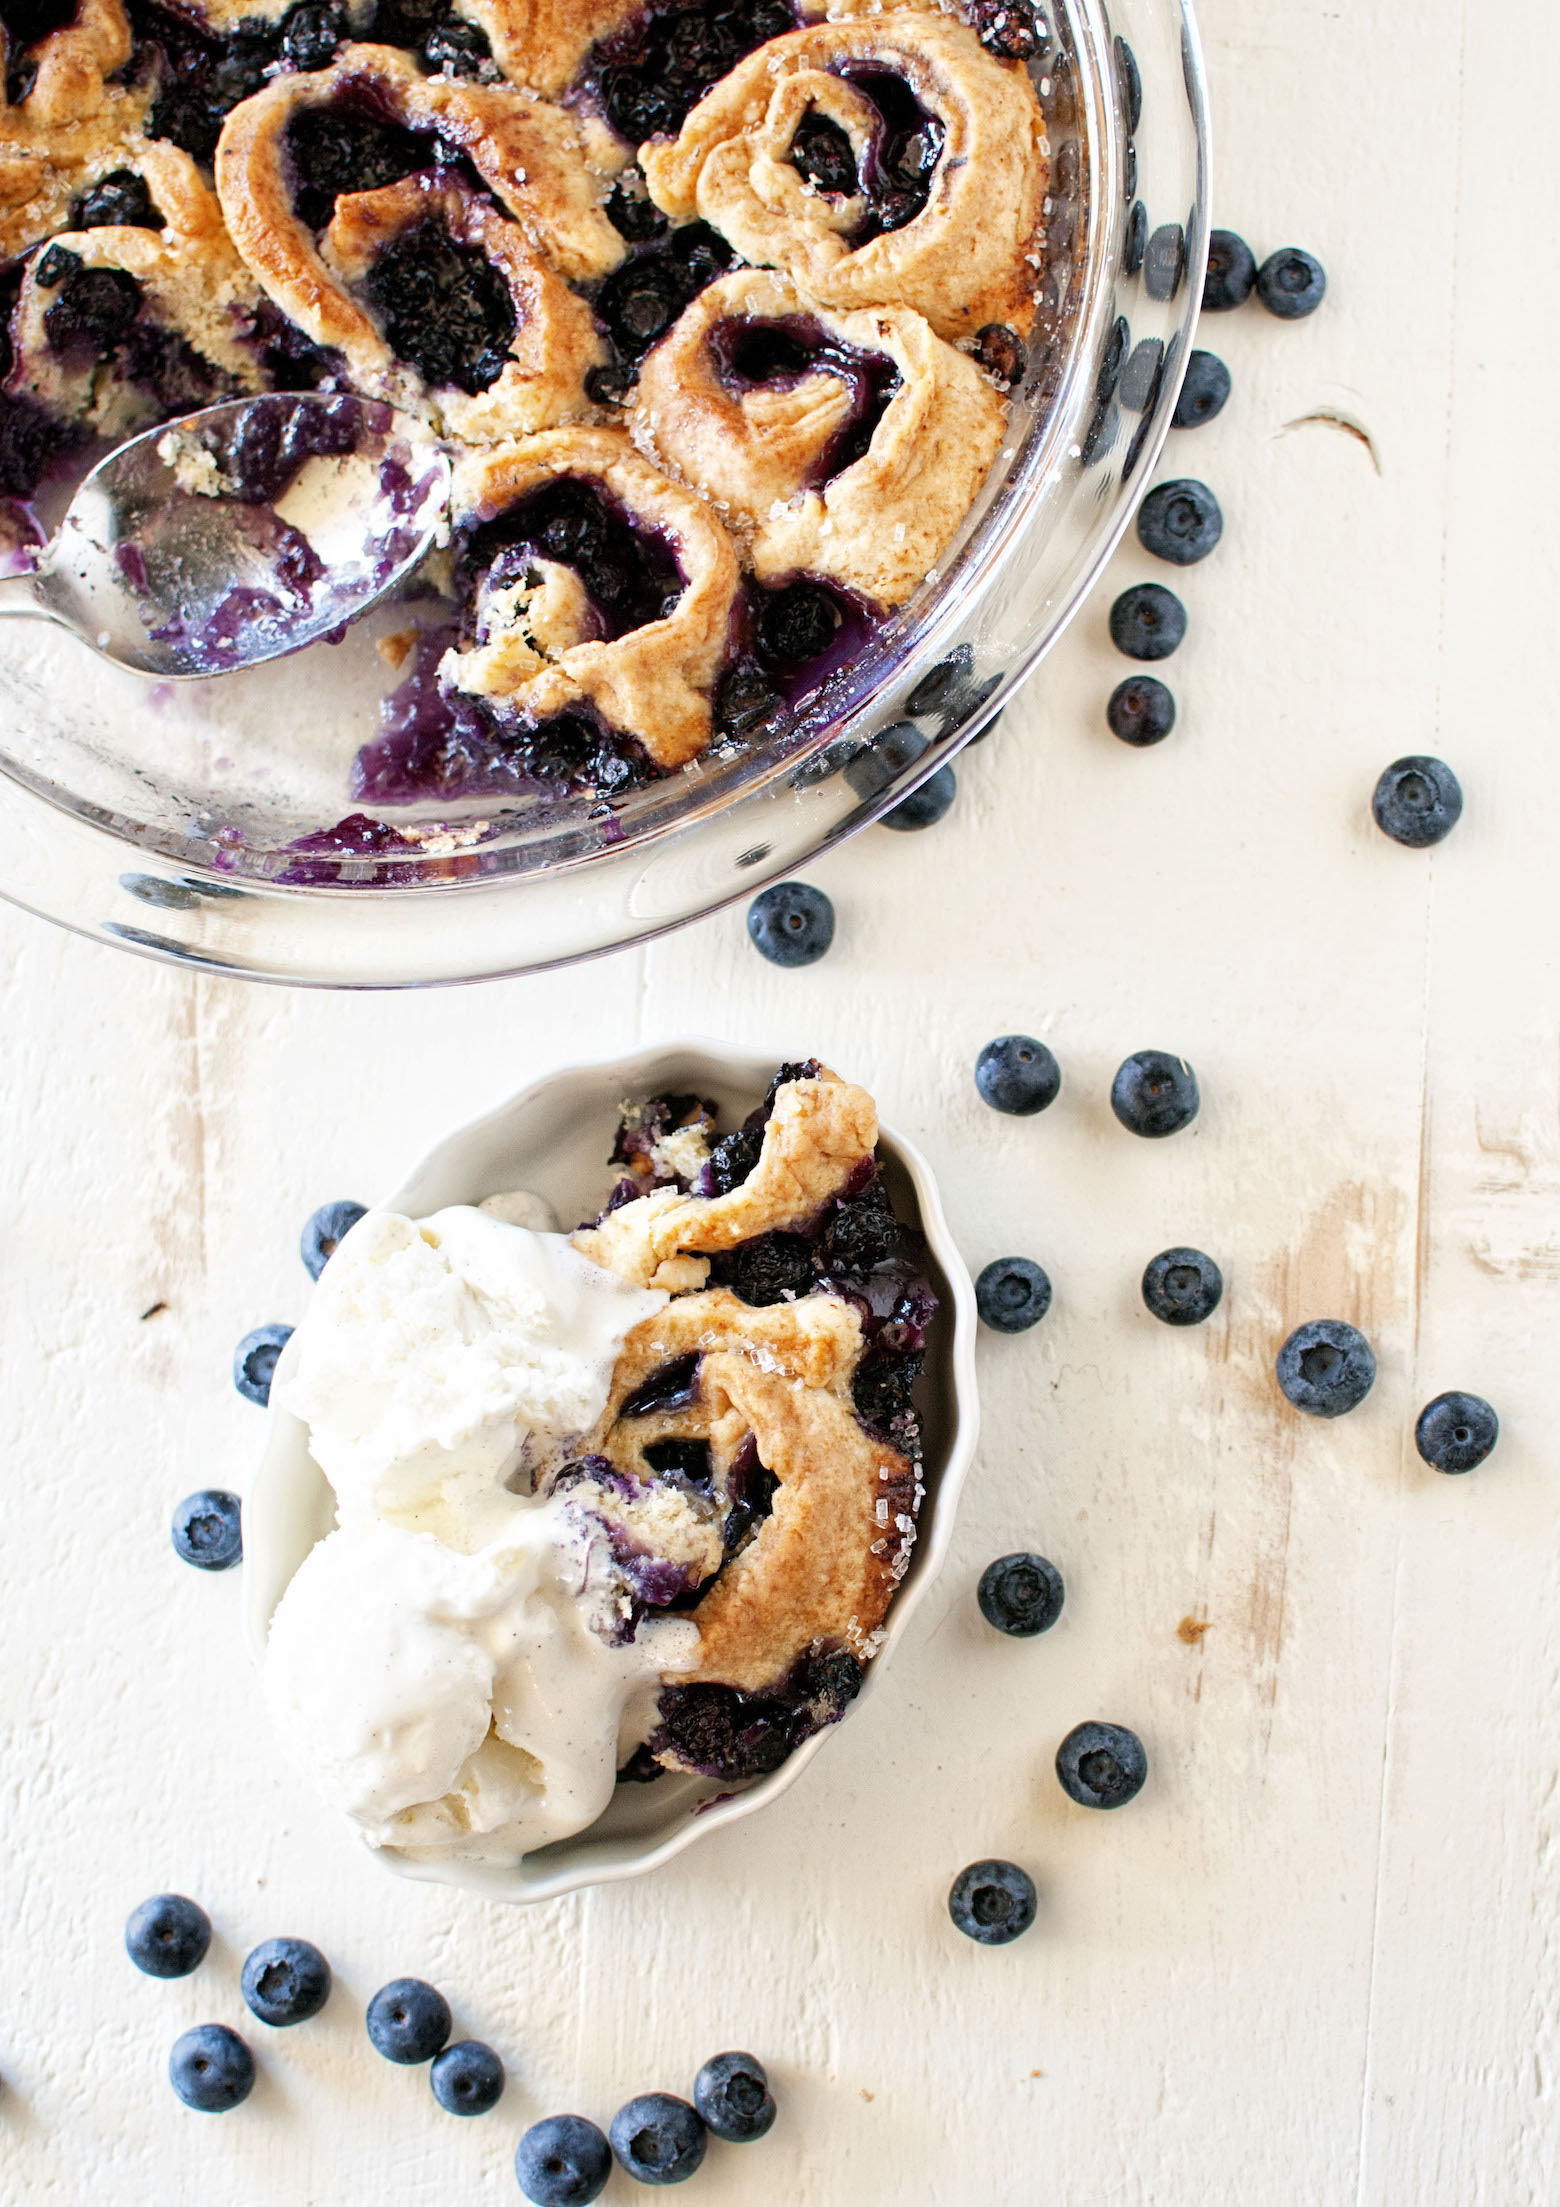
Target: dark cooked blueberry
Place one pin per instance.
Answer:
(658, 2138)
(1418, 801)
(1018, 1074)
(311, 35)
(254, 1362)
(119, 199)
(206, 1530)
(1134, 244)
(563, 2161)
(457, 48)
(862, 1233)
(285, 1981)
(608, 383)
(639, 109)
(1180, 521)
(823, 154)
(1164, 261)
(1291, 283)
(685, 1462)
(797, 624)
(1012, 1294)
(444, 308)
(1141, 377)
(1129, 82)
(1326, 1368)
(1021, 1595)
(731, 1160)
(924, 807)
(702, 252)
(331, 1223)
(771, 1268)
(732, 2093)
(884, 1388)
(336, 149)
(1147, 622)
(640, 301)
(92, 313)
(55, 266)
(408, 2020)
(1456, 1432)
(1154, 1094)
(744, 701)
(791, 924)
(1182, 1286)
(1101, 1766)
(1203, 392)
(211, 2068)
(992, 1902)
(168, 1935)
(1016, 30)
(1141, 711)
(634, 214)
(1232, 271)
(467, 2078)
(1002, 353)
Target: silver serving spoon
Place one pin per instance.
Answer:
(240, 533)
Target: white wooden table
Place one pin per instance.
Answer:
(1316, 1960)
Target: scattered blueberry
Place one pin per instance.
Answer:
(1017, 1074)
(1203, 392)
(409, 2021)
(467, 2078)
(563, 2161)
(207, 1531)
(1232, 272)
(1180, 522)
(1141, 711)
(889, 753)
(1148, 621)
(1154, 1094)
(1291, 283)
(1101, 1766)
(791, 924)
(1182, 1286)
(1326, 1368)
(1418, 801)
(732, 2093)
(211, 2068)
(331, 1223)
(1456, 1432)
(658, 2138)
(254, 1362)
(1021, 1595)
(1012, 1294)
(285, 1981)
(992, 1902)
(1164, 263)
(924, 807)
(168, 1935)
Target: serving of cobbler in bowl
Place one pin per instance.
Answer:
(769, 339)
(568, 1546)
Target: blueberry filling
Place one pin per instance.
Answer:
(640, 301)
(632, 212)
(686, 1463)
(750, 1493)
(823, 154)
(347, 147)
(1015, 30)
(750, 354)
(901, 157)
(432, 30)
(651, 74)
(731, 1160)
(289, 361)
(199, 77)
(25, 22)
(672, 1386)
(725, 1733)
(260, 456)
(639, 1133)
(862, 1233)
(444, 308)
(121, 198)
(311, 35)
(93, 312)
(770, 1268)
(32, 440)
(629, 571)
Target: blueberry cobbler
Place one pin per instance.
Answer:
(719, 303)
(613, 1504)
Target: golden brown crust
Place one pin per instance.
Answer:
(962, 262)
(71, 65)
(42, 170)
(544, 43)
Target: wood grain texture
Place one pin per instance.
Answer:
(1316, 1961)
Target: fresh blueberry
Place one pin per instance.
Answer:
(168, 1935)
(1147, 622)
(1232, 271)
(467, 2078)
(1203, 392)
(563, 2161)
(1135, 243)
(889, 753)
(1164, 263)
(1141, 711)
(791, 924)
(1012, 1294)
(658, 2138)
(254, 1362)
(1182, 1286)
(211, 2068)
(285, 1981)
(1456, 1432)
(1326, 1368)
(207, 1531)
(1101, 1765)
(732, 2093)
(924, 807)
(992, 1902)
(1140, 378)
(1154, 1094)
(1180, 522)
(409, 2021)
(1291, 283)
(1418, 801)
(331, 1223)
(1021, 1595)
(1017, 1074)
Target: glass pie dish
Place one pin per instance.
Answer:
(185, 821)
(552, 1138)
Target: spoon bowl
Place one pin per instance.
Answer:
(240, 534)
